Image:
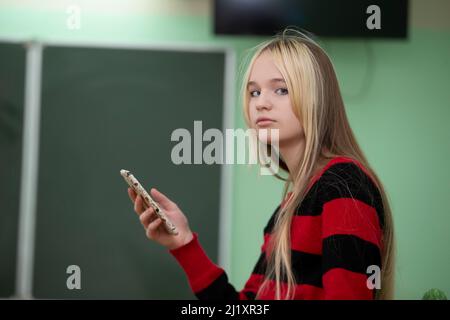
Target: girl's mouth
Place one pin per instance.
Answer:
(264, 123)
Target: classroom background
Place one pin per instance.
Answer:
(91, 87)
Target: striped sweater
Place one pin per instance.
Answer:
(336, 234)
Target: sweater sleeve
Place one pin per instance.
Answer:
(207, 280)
(351, 238)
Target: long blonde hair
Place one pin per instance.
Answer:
(317, 103)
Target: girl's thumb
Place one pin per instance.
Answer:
(161, 198)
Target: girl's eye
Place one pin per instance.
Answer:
(285, 91)
(251, 93)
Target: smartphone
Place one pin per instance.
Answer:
(148, 200)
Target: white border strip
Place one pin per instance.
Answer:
(226, 208)
(29, 174)
(172, 46)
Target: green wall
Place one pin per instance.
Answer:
(397, 97)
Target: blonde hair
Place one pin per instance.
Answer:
(317, 103)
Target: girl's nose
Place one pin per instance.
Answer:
(260, 106)
(263, 103)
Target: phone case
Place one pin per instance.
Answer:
(148, 201)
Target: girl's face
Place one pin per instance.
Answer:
(269, 98)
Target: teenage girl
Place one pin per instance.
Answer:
(331, 237)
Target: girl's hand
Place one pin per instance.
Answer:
(153, 225)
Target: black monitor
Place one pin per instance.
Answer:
(327, 18)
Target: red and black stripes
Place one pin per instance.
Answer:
(336, 234)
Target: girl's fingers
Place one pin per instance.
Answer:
(137, 201)
(136, 205)
(131, 194)
(147, 217)
(139, 205)
(152, 229)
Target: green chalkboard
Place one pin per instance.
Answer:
(106, 109)
(12, 86)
